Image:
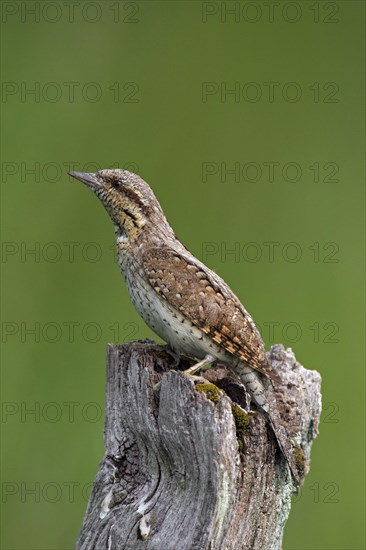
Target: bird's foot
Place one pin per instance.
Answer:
(204, 364)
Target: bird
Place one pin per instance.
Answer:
(183, 301)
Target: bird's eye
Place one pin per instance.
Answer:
(116, 184)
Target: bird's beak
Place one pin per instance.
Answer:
(89, 179)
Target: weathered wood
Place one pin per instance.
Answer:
(173, 477)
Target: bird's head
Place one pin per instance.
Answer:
(128, 199)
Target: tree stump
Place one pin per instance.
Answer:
(185, 467)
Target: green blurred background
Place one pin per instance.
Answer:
(145, 86)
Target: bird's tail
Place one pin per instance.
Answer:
(267, 404)
(287, 447)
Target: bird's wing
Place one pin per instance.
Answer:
(206, 300)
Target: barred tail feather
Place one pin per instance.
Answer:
(255, 388)
(286, 447)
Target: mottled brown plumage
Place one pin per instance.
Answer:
(204, 298)
(181, 299)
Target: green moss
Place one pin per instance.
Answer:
(242, 423)
(242, 419)
(211, 391)
(300, 459)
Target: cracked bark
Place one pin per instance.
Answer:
(173, 477)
